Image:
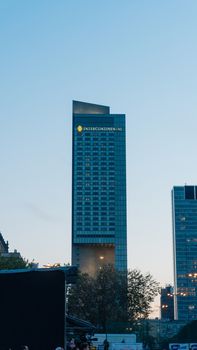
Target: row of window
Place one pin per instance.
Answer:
(96, 158)
(94, 137)
(89, 147)
(85, 152)
(88, 192)
(109, 215)
(96, 236)
(81, 138)
(96, 228)
(94, 200)
(94, 179)
(95, 167)
(94, 163)
(96, 208)
(94, 218)
(95, 224)
(96, 182)
(109, 174)
(84, 142)
(90, 196)
(103, 181)
(103, 136)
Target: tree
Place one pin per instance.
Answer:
(98, 299)
(81, 298)
(141, 292)
(14, 262)
(110, 298)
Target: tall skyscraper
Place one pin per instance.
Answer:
(98, 188)
(184, 214)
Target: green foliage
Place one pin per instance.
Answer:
(142, 290)
(99, 299)
(13, 262)
(81, 298)
(109, 298)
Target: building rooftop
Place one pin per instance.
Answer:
(89, 108)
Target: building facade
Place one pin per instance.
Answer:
(98, 188)
(161, 331)
(4, 249)
(4, 246)
(184, 215)
(167, 303)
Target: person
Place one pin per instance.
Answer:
(84, 346)
(72, 343)
(106, 344)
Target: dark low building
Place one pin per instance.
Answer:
(32, 304)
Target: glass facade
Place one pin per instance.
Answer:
(98, 188)
(184, 213)
(167, 303)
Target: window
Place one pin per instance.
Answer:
(189, 192)
(87, 220)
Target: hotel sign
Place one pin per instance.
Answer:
(97, 128)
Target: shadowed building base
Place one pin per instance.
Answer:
(91, 257)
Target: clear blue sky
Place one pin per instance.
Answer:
(137, 56)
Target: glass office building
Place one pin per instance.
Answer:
(98, 188)
(184, 213)
(167, 303)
